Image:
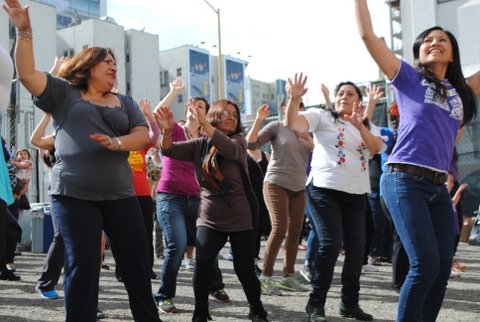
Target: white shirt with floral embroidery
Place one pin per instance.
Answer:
(340, 158)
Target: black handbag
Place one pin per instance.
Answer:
(23, 203)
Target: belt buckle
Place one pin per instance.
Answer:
(439, 178)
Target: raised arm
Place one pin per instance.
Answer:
(326, 95)
(474, 82)
(374, 94)
(57, 64)
(33, 80)
(165, 121)
(154, 132)
(176, 87)
(262, 114)
(383, 56)
(296, 89)
(39, 139)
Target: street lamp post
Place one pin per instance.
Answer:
(220, 63)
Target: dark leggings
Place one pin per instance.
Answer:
(209, 243)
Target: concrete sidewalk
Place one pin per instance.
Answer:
(20, 302)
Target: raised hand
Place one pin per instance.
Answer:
(57, 64)
(144, 105)
(357, 117)
(199, 114)
(177, 86)
(325, 90)
(18, 14)
(374, 93)
(262, 112)
(296, 85)
(164, 118)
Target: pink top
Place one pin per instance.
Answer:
(178, 177)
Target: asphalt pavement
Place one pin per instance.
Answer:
(20, 302)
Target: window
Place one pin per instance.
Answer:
(127, 58)
(180, 98)
(164, 78)
(179, 72)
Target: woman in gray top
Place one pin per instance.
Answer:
(228, 207)
(91, 184)
(284, 192)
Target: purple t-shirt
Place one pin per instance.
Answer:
(178, 177)
(428, 123)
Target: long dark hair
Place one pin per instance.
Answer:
(454, 75)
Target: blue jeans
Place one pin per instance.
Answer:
(312, 242)
(177, 216)
(423, 216)
(80, 223)
(379, 222)
(339, 219)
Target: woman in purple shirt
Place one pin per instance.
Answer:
(435, 102)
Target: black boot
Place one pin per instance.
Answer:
(354, 312)
(258, 314)
(201, 317)
(316, 313)
(8, 275)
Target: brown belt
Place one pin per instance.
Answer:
(430, 175)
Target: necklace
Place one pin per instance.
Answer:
(188, 133)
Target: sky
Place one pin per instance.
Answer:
(277, 37)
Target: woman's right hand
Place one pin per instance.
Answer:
(297, 86)
(177, 86)
(19, 15)
(164, 118)
(262, 112)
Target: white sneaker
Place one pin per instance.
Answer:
(307, 275)
(269, 286)
(369, 268)
(190, 264)
(454, 274)
(291, 284)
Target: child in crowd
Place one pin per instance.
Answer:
(24, 165)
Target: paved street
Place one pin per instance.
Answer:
(20, 302)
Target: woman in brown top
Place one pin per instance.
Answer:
(228, 207)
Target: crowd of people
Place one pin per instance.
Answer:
(375, 194)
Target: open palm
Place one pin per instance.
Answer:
(19, 15)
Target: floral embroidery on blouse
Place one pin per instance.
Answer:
(360, 149)
(341, 146)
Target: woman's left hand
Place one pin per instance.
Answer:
(357, 117)
(199, 114)
(144, 105)
(107, 141)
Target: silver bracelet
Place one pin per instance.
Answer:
(24, 35)
(117, 142)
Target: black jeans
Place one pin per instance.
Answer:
(209, 243)
(339, 219)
